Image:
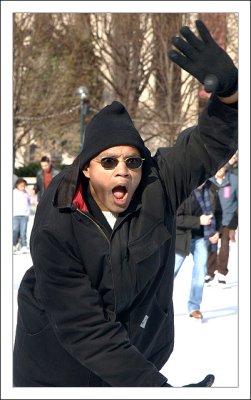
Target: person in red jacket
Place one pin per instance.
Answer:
(96, 309)
(44, 176)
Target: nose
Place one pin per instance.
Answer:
(121, 169)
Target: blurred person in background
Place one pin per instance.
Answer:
(226, 184)
(44, 176)
(21, 212)
(197, 230)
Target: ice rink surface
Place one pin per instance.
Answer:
(201, 347)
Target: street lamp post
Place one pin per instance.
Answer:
(83, 93)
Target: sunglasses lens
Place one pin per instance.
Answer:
(133, 162)
(109, 162)
(112, 162)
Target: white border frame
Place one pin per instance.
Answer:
(7, 9)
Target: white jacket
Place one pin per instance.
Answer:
(21, 203)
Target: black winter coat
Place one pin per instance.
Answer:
(96, 309)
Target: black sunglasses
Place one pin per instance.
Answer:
(112, 162)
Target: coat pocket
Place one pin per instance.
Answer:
(40, 360)
(149, 243)
(149, 254)
(149, 329)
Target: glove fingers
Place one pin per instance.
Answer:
(191, 38)
(184, 47)
(179, 59)
(203, 31)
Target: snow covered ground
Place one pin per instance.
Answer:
(201, 347)
(210, 345)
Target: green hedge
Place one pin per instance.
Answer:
(31, 169)
(28, 170)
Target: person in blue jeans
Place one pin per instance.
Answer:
(197, 229)
(21, 212)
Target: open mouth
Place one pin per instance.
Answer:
(119, 192)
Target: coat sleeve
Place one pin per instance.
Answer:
(79, 320)
(199, 152)
(184, 219)
(217, 209)
(188, 222)
(233, 224)
(218, 213)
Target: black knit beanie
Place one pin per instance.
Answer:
(111, 126)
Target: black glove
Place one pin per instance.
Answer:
(203, 58)
(206, 382)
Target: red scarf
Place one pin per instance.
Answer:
(78, 200)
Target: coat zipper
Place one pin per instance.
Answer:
(96, 224)
(105, 236)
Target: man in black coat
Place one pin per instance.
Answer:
(96, 307)
(198, 224)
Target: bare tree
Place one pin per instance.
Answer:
(178, 96)
(125, 49)
(167, 80)
(53, 55)
(117, 56)
(132, 50)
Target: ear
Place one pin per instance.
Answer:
(86, 171)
